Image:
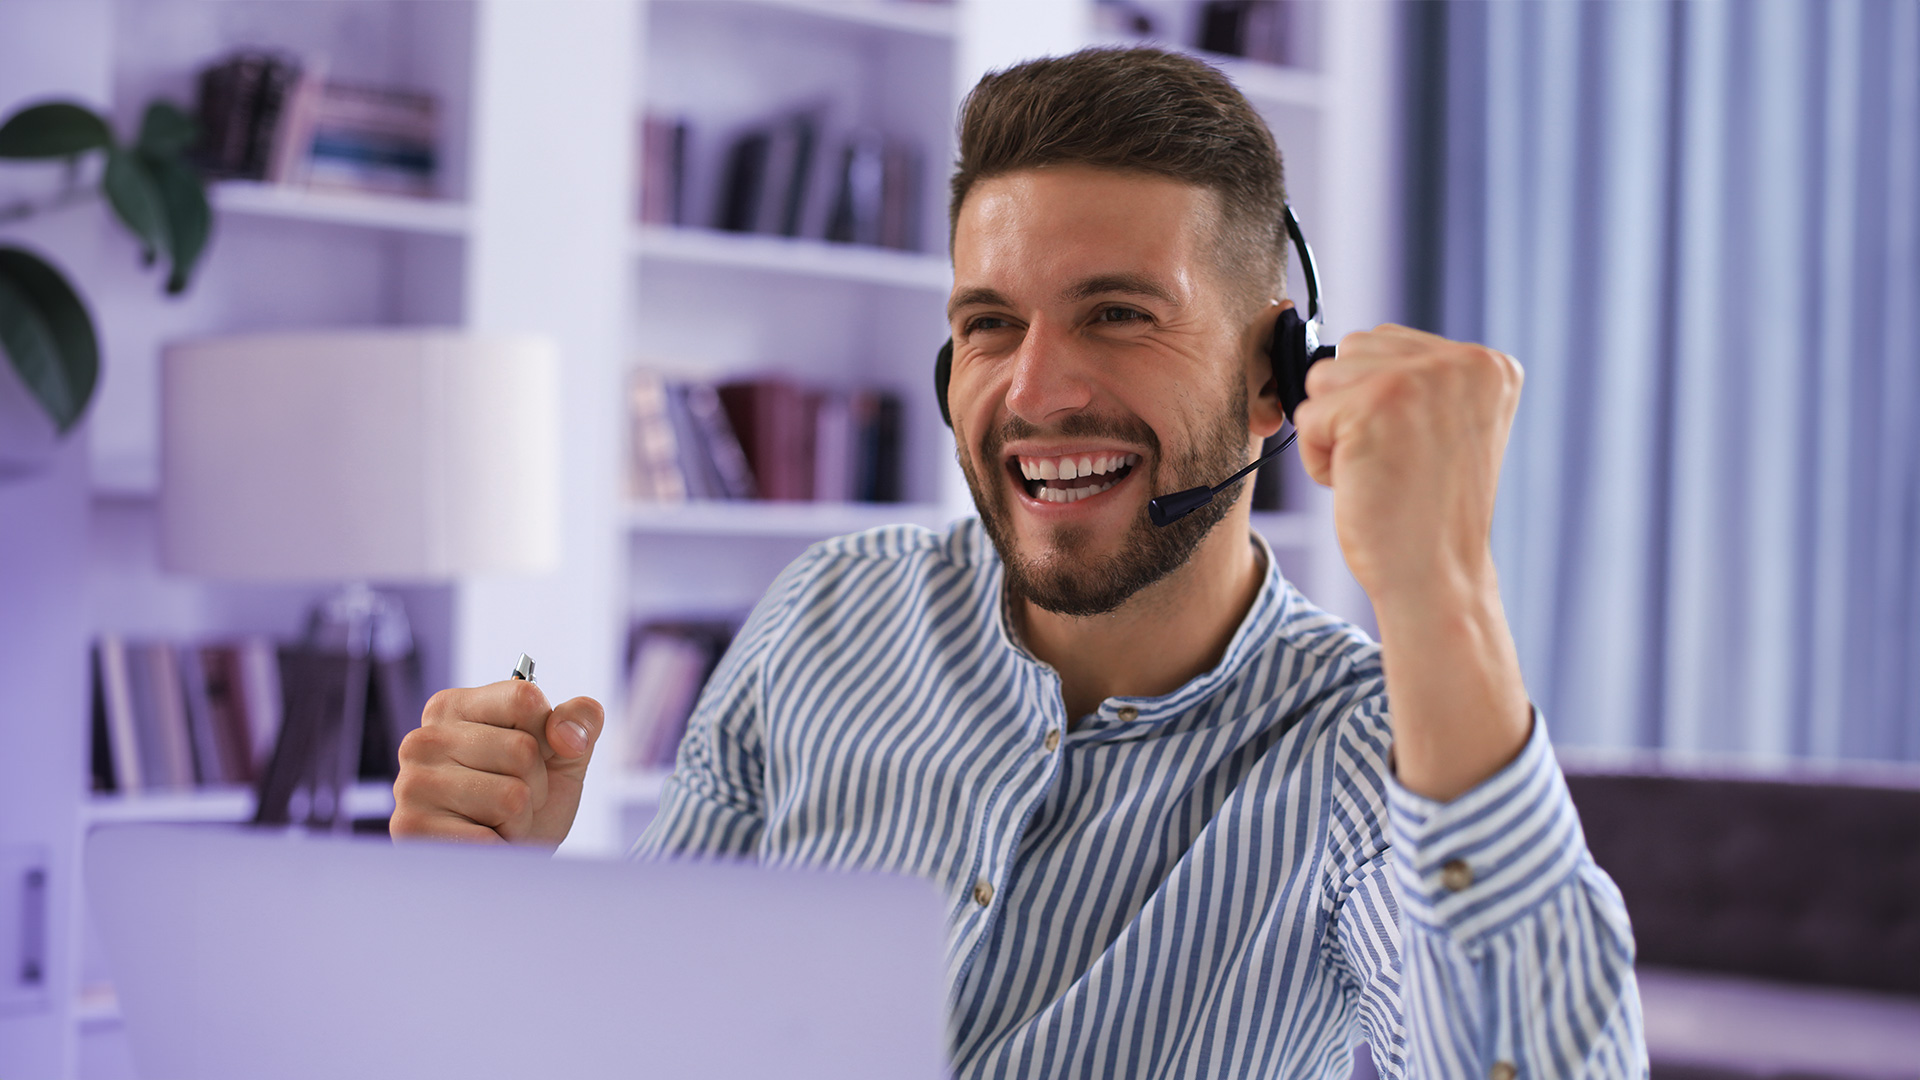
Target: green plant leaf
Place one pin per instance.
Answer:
(183, 198)
(136, 198)
(165, 131)
(47, 335)
(53, 130)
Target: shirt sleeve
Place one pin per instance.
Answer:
(1515, 951)
(714, 802)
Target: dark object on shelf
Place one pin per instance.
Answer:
(170, 715)
(877, 193)
(663, 170)
(668, 663)
(240, 102)
(1260, 30)
(352, 693)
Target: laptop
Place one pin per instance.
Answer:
(242, 954)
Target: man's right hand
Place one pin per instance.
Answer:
(495, 763)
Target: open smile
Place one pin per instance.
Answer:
(1070, 478)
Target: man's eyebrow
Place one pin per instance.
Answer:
(1133, 284)
(979, 294)
(1086, 288)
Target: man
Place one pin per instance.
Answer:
(1180, 833)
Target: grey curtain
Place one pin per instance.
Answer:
(1697, 225)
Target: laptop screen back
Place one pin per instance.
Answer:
(245, 955)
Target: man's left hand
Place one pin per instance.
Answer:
(1408, 429)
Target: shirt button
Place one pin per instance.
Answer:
(1052, 741)
(1127, 714)
(1457, 875)
(1502, 1070)
(983, 892)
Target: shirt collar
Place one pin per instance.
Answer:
(1256, 632)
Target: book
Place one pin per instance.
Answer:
(115, 705)
(720, 442)
(171, 715)
(744, 178)
(663, 169)
(376, 139)
(654, 473)
(668, 665)
(239, 100)
(1262, 30)
(764, 438)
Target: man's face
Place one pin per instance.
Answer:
(1091, 329)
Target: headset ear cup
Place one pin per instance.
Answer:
(1291, 357)
(942, 372)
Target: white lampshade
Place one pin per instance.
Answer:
(380, 455)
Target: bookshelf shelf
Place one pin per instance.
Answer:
(1267, 84)
(785, 255)
(901, 16)
(226, 805)
(1271, 84)
(394, 213)
(783, 520)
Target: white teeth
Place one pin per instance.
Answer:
(1070, 468)
(1067, 495)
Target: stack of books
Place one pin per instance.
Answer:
(761, 439)
(667, 665)
(170, 716)
(269, 117)
(785, 177)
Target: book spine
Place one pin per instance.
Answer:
(170, 714)
(733, 472)
(116, 678)
(209, 760)
(227, 703)
(260, 690)
(654, 472)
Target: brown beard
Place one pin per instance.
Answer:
(1065, 581)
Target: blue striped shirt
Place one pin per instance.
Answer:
(1222, 881)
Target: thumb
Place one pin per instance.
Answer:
(572, 730)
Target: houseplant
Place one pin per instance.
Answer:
(153, 189)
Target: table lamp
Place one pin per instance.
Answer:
(355, 457)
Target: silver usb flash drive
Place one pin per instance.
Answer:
(524, 669)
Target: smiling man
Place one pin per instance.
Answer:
(1181, 831)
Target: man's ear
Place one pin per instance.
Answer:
(1264, 414)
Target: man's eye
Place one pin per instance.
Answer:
(1121, 314)
(981, 323)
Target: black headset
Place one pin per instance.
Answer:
(1294, 347)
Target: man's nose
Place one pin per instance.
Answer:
(1052, 375)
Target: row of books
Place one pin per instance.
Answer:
(761, 439)
(784, 177)
(173, 716)
(269, 117)
(1269, 31)
(667, 665)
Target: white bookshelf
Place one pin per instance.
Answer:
(394, 213)
(848, 263)
(785, 520)
(214, 806)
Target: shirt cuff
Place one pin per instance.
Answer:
(1469, 866)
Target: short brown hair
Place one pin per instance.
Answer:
(1143, 110)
